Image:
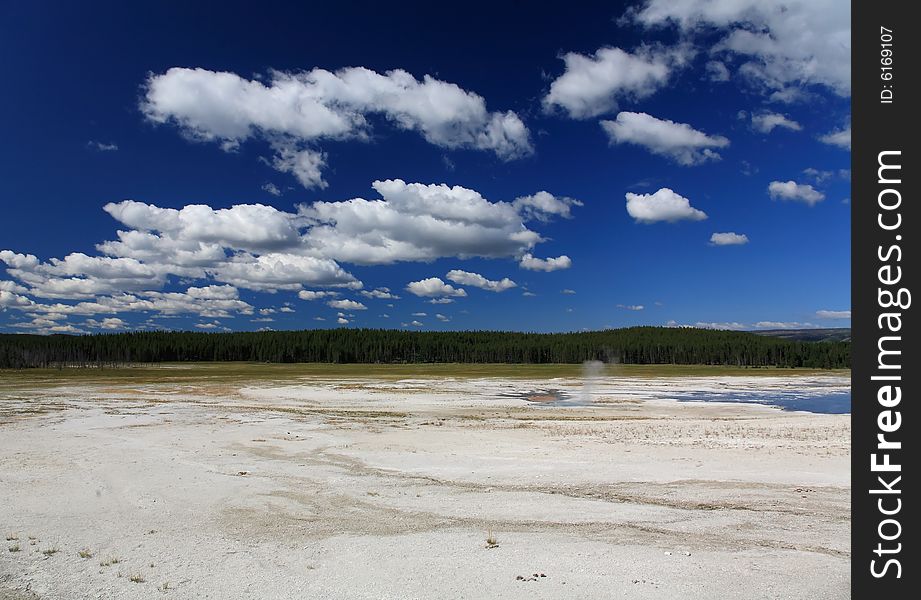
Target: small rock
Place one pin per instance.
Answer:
(668, 554)
(687, 553)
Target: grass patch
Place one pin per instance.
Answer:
(137, 578)
(112, 560)
(85, 553)
(14, 548)
(50, 551)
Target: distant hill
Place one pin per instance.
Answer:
(836, 334)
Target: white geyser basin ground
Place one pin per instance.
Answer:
(377, 485)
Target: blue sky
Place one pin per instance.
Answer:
(492, 167)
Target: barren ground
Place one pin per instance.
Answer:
(348, 485)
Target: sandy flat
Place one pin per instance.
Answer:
(372, 488)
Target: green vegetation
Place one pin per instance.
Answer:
(636, 345)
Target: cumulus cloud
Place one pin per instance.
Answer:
(766, 122)
(797, 192)
(833, 314)
(477, 280)
(8, 299)
(544, 205)
(840, 138)
(107, 323)
(634, 307)
(262, 248)
(782, 46)
(434, 287)
(532, 263)
(278, 271)
(664, 205)
(442, 318)
(728, 239)
(416, 222)
(346, 305)
(593, 85)
(381, 293)
(315, 295)
(297, 110)
(306, 165)
(677, 141)
(342, 321)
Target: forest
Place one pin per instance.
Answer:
(634, 345)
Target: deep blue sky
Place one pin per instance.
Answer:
(74, 77)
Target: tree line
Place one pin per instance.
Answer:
(634, 345)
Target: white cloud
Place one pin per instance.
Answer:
(211, 325)
(416, 222)
(209, 301)
(678, 141)
(342, 321)
(315, 295)
(634, 307)
(271, 188)
(279, 271)
(568, 291)
(259, 247)
(784, 45)
(12, 286)
(664, 205)
(434, 287)
(381, 293)
(717, 71)
(542, 205)
(728, 239)
(840, 138)
(818, 175)
(441, 301)
(477, 280)
(442, 318)
(306, 165)
(252, 227)
(293, 110)
(797, 192)
(531, 263)
(593, 85)
(8, 299)
(833, 314)
(107, 323)
(733, 326)
(346, 305)
(102, 146)
(766, 122)
(420, 314)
